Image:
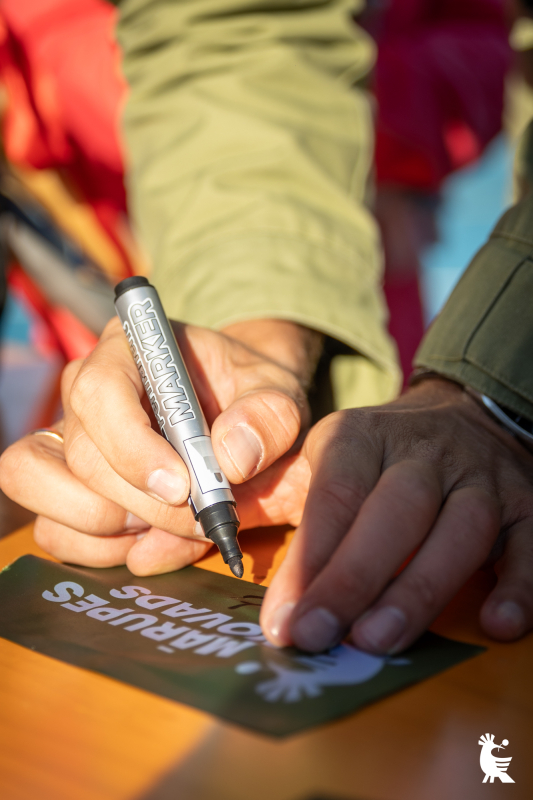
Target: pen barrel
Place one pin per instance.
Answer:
(170, 391)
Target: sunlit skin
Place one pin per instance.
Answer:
(430, 472)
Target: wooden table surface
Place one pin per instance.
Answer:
(68, 734)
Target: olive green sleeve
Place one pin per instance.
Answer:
(483, 338)
(249, 146)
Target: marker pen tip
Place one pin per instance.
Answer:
(235, 565)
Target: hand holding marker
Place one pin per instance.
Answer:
(178, 413)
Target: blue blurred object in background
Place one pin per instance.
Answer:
(26, 375)
(15, 325)
(473, 199)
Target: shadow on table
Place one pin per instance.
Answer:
(231, 764)
(166, 790)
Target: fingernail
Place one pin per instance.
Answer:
(317, 630)
(134, 523)
(512, 616)
(141, 536)
(381, 629)
(279, 625)
(244, 449)
(168, 485)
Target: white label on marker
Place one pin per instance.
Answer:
(205, 466)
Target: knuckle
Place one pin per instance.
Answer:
(173, 519)
(14, 467)
(274, 416)
(112, 328)
(76, 455)
(87, 464)
(412, 482)
(347, 432)
(342, 424)
(423, 591)
(41, 534)
(526, 501)
(343, 496)
(355, 585)
(284, 411)
(373, 419)
(422, 475)
(431, 449)
(98, 519)
(68, 376)
(381, 425)
(28, 457)
(516, 502)
(71, 370)
(478, 517)
(481, 512)
(84, 391)
(90, 471)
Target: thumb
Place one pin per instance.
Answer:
(256, 429)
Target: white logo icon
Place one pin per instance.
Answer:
(342, 666)
(493, 767)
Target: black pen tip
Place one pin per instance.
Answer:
(235, 565)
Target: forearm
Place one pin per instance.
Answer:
(252, 203)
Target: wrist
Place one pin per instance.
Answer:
(518, 426)
(498, 417)
(290, 345)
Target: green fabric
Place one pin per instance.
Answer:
(193, 636)
(483, 338)
(249, 146)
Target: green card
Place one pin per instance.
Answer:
(194, 636)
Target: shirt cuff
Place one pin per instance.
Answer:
(483, 338)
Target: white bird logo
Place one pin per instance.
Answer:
(493, 767)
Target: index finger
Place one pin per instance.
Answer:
(393, 521)
(105, 395)
(345, 466)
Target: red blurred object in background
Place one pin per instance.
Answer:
(60, 68)
(439, 83)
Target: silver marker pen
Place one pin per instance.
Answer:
(178, 412)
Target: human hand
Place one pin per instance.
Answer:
(116, 479)
(431, 474)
